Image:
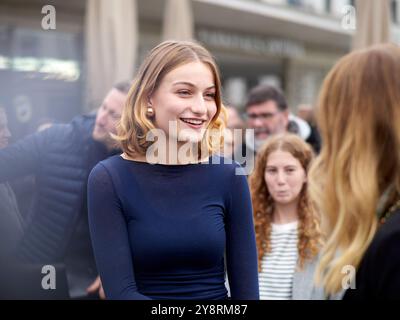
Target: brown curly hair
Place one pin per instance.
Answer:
(310, 238)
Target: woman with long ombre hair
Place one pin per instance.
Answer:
(356, 178)
(286, 223)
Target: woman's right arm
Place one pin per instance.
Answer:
(110, 239)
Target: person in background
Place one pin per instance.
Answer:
(306, 112)
(286, 223)
(355, 180)
(61, 158)
(233, 137)
(268, 114)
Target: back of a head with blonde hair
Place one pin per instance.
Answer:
(358, 114)
(309, 233)
(161, 60)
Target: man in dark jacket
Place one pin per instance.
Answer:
(61, 159)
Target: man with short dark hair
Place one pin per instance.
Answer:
(268, 114)
(61, 158)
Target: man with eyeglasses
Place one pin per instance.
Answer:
(268, 114)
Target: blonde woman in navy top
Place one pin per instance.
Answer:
(169, 220)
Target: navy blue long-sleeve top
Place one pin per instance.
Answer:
(171, 231)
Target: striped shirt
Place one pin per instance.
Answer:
(278, 266)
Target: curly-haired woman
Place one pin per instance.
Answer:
(287, 226)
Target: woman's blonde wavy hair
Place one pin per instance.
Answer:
(310, 239)
(134, 124)
(358, 114)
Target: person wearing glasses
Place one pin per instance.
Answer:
(268, 114)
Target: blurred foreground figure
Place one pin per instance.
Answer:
(233, 138)
(61, 158)
(16, 281)
(356, 178)
(11, 224)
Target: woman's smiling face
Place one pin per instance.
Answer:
(185, 100)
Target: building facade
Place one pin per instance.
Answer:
(288, 43)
